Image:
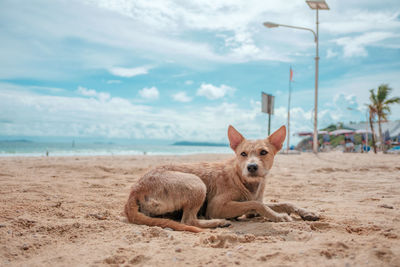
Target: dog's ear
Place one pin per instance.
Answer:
(235, 138)
(277, 138)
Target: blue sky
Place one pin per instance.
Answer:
(184, 70)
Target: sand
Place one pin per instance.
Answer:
(66, 211)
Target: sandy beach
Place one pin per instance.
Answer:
(66, 211)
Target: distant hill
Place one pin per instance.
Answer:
(17, 141)
(188, 143)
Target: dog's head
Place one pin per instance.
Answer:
(254, 158)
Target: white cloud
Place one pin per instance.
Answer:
(129, 72)
(90, 92)
(133, 31)
(356, 46)
(114, 40)
(24, 112)
(181, 97)
(149, 93)
(189, 82)
(359, 82)
(358, 18)
(30, 114)
(214, 92)
(113, 81)
(331, 54)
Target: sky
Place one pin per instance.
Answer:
(174, 70)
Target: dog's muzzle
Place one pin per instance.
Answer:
(252, 168)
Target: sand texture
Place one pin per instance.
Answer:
(66, 211)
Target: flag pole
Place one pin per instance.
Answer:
(288, 116)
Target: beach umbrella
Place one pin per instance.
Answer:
(310, 133)
(304, 133)
(363, 131)
(341, 131)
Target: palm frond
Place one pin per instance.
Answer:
(383, 92)
(394, 100)
(372, 96)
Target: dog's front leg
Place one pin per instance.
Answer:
(233, 209)
(290, 208)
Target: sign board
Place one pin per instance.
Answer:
(267, 103)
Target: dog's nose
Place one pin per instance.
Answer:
(252, 167)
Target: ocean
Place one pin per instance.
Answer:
(29, 148)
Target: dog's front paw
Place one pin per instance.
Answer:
(282, 218)
(309, 216)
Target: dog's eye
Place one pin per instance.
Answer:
(263, 152)
(243, 154)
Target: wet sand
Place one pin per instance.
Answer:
(66, 211)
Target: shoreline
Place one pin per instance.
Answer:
(26, 156)
(151, 154)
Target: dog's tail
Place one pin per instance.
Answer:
(135, 216)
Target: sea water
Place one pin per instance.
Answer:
(28, 148)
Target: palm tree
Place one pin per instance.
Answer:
(372, 114)
(380, 106)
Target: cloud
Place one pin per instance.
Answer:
(129, 72)
(181, 97)
(343, 108)
(27, 113)
(90, 92)
(331, 54)
(351, 17)
(214, 92)
(113, 81)
(189, 82)
(149, 93)
(132, 31)
(356, 46)
(360, 81)
(77, 41)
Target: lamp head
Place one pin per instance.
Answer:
(270, 24)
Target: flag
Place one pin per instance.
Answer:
(291, 74)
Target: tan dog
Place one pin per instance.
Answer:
(226, 189)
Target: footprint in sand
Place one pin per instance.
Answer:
(225, 240)
(122, 258)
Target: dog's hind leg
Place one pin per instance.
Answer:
(193, 204)
(189, 217)
(290, 208)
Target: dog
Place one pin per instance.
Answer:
(220, 191)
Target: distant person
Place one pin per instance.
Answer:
(364, 143)
(326, 141)
(349, 143)
(388, 140)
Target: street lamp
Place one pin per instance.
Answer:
(317, 5)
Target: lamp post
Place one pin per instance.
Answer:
(317, 5)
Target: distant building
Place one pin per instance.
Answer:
(393, 127)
